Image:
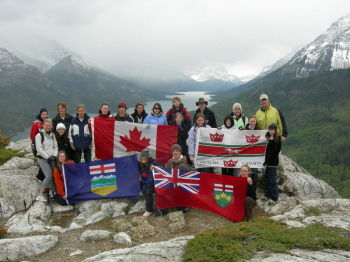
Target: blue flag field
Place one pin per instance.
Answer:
(112, 178)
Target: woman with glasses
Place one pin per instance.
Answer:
(156, 117)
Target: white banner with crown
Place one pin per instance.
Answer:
(230, 148)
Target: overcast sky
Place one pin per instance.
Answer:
(158, 36)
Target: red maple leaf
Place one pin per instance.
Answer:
(134, 143)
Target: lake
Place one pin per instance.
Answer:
(188, 98)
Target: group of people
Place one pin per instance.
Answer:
(67, 138)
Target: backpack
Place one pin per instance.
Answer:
(35, 152)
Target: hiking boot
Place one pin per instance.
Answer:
(41, 198)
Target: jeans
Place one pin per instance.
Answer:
(271, 190)
(148, 194)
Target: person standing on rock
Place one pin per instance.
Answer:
(60, 196)
(250, 198)
(178, 107)
(80, 135)
(62, 117)
(122, 115)
(139, 114)
(265, 116)
(273, 149)
(203, 109)
(156, 117)
(47, 151)
(147, 182)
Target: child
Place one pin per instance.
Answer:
(271, 162)
(147, 183)
(252, 124)
(60, 196)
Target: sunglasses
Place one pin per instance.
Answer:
(156, 108)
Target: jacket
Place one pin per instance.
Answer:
(137, 118)
(224, 126)
(66, 121)
(191, 141)
(272, 150)
(251, 189)
(64, 144)
(209, 117)
(146, 175)
(79, 133)
(182, 164)
(48, 148)
(182, 136)
(171, 115)
(266, 117)
(239, 122)
(35, 129)
(125, 118)
(156, 119)
(59, 181)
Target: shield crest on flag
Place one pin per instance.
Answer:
(223, 194)
(104, 180)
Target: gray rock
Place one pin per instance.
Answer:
(166, 251)
(18, 163)
(139, 207)
(121, 225)
(56, 208)
(123, 239)
(76, 253)
(23, 145)
(299, 255)
(91, 235)
(16, 248)
(113, 209)
(177, 221)
(18, 189)
(283, 204)
(32, 220)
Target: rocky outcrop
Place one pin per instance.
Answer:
(166, 251)
(17, 248)
(297, 186)
(92, 235)
(23, 145)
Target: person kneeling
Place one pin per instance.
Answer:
(60, 196)
(250, 199)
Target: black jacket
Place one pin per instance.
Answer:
(136, 117)
(125, 118)
(251, 189)
(63, 144)
(66, 121)
(272, 150)
(209, 115)
(182, 136)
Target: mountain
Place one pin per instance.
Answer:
(23, 90)
(329, 51)
(90, 85)
(218, 72)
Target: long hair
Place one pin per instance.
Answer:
(276, 137)
(58, 163)
(160, 107)
(198, 116)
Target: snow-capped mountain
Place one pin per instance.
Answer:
(329, 51)
(218, 72)
(10, 62)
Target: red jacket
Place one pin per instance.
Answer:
(35, 129)
(59, 180)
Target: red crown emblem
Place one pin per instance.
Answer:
(252, 139)
(216, 137)
(230, 163)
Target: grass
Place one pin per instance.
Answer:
(6, 154)
(242, 240)
(312, 211)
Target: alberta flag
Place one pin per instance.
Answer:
(230, 148)
(219, 194)
(112, 178)
(113, 139)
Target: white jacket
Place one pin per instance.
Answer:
(48, 147)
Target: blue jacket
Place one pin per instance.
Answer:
(79, 133)
(156, 119)
(146, 176)
(192, 137)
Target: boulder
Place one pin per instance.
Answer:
(113, 209)
(17, 248)
(17, 163)
(143, 231)
(166, 251)
(177, 221)
(121, 225)
(23, 145)
(92, 235)
(139, 207)
(33, 220)
(123, 239)
(18, 189)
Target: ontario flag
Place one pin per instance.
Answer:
(220, 194)
(230, 148)
(112, 139)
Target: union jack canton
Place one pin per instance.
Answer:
(172, 178)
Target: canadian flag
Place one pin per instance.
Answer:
(112, 139)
